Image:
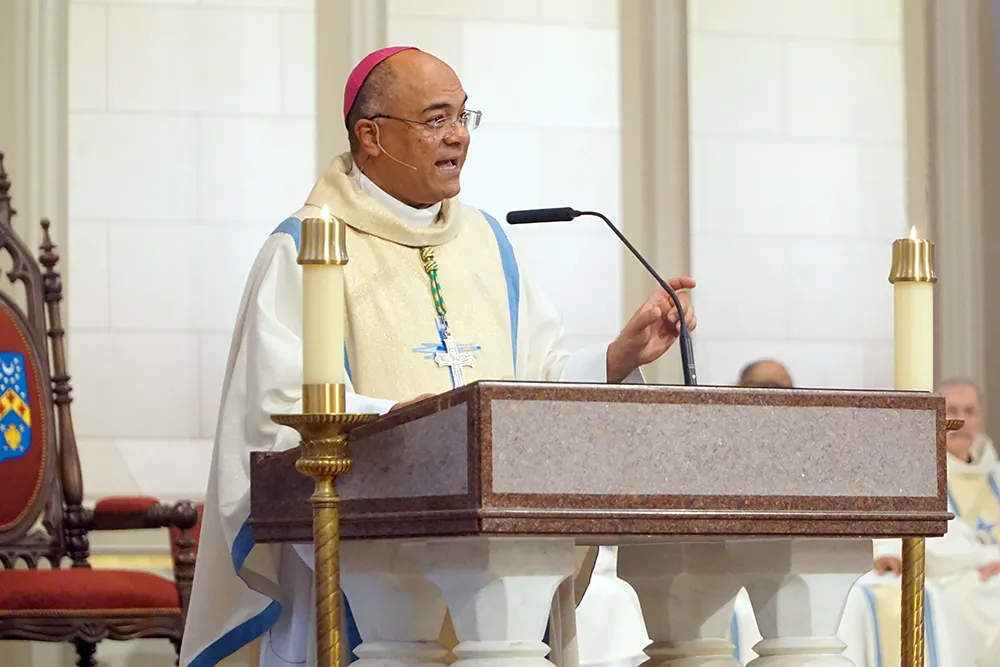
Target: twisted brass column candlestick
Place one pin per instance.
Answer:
(324, 458)
(912, 635)
(324, 424)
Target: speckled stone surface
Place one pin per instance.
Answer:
(582, 447)
(615, 464)
(419, 458)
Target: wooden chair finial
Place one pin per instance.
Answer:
(7, 211)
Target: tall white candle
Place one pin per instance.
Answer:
(323, 324)
(912, 277)
(322, 301)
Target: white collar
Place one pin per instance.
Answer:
(411, 217)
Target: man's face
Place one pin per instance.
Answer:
(962, 402)
(426, 91)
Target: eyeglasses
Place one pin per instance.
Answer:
(440, 125)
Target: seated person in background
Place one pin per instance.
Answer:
(765, 373)
(965, 562)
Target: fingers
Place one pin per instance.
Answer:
(689, 317)
(888, 564)
(648, 314)
(682, 282)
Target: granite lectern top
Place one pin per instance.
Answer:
(618, 463)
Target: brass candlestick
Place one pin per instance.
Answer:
(324, 426)
(912, 635)
(324, 458)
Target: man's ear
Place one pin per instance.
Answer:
(367, 133)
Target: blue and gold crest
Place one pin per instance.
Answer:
(15, 412)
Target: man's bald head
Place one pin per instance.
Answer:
(957, 383)
(765, 373)
(404, 128)
(373, 96)
(963, 400)
(398, 76)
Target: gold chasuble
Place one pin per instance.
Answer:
(395, 337)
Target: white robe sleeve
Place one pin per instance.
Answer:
(274, 342)
(540, 339)
(238, 592)
(277, 340)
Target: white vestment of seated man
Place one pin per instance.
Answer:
(958, 562)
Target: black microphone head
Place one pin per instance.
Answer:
(541, 215)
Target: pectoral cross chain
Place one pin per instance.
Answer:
(449, 354)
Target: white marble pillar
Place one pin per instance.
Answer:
(500, 592)
(399, 612)
(34, 50)
(799, 588)
(346, 30)
(687, 597)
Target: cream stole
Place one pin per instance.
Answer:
(391, 333)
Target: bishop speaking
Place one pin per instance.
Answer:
(429, 278)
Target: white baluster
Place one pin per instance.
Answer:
(399, 612)
(500, 592)
(687, 597)
(799, 589)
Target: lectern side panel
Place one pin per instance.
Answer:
(568, 447)
(426, 457)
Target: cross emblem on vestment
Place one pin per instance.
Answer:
(449, 353)
(985, 530)
(453, 359)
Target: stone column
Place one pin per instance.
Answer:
(34, 50)
(399, 612)
(952, 69)
(988, 53)
(346, 30)
(500, 591)
(799, 588)
(687, 595)
(655, 153)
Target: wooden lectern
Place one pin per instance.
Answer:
(630, 464)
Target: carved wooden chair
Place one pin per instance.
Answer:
(42, 519)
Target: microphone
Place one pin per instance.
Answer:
(378, 142)
(567, 214)
(541, 215)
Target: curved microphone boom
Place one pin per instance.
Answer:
(567, 214)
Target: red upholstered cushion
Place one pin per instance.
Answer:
(124, 504)
(86, 592)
